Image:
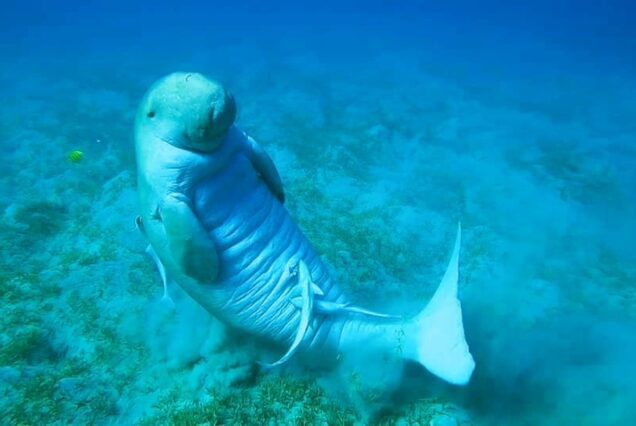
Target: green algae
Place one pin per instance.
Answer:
(275, 400)
(575, 173)
(40, 398)
(42, 218)
(23, 343)
(283, 400)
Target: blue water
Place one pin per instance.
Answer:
(389, 123)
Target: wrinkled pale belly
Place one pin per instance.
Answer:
(256, 238)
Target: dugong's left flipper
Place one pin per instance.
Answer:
(265, 168)
(192, 249)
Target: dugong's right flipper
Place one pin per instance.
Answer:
(265, 168)
(192, 249)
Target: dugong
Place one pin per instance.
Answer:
(212, 206)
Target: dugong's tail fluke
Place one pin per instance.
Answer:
(439, 343)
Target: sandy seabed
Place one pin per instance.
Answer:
(379, 166)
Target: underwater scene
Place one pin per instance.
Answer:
(378, 127)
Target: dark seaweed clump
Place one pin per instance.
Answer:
(38, 221)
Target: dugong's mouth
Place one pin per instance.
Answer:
(180, 144)
(166, 139)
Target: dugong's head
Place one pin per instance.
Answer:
(186, 110)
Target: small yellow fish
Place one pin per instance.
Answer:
(75, 156)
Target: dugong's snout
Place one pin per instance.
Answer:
(187, 110)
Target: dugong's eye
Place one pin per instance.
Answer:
(151, 114)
